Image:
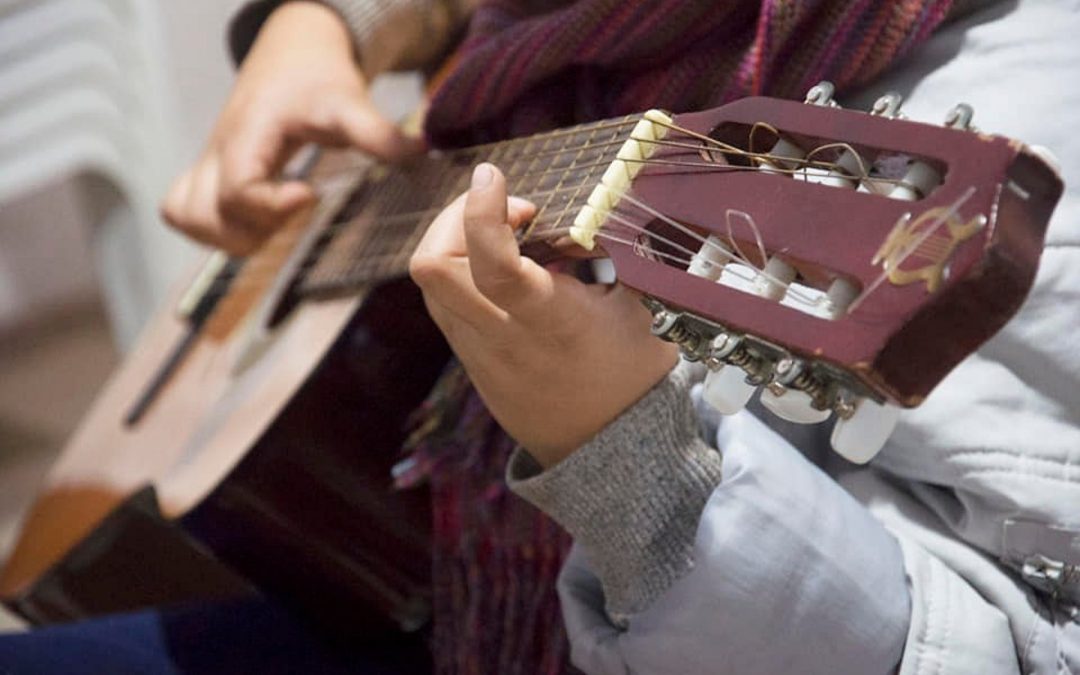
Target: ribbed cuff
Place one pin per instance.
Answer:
(632, 496)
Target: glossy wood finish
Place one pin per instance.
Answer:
(310, 512)
(904, 340)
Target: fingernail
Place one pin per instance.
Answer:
(482, 175)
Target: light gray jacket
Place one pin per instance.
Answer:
(915, 563)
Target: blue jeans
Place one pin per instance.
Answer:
(237, 637)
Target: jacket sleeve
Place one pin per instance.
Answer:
(771, 568)
(387, 34)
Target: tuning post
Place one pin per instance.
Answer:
(919, 181)
(959, 117)
(722, 346)
(822, 94)
(837, 298)
(710, 259)
(888, 105)
(670, 327)
(796, 394)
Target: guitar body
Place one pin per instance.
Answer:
(280, 468)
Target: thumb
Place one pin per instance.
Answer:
(498, 270)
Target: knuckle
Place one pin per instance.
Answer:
(427, 270)
(170, 214)
(502, 280)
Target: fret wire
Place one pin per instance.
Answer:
(558, 151)
(567, 209)
(435, 210)
(601, 125)
(423, 218)
(533, 159)
(551, 194)
(401, 246)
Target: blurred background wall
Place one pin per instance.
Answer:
(102, 102)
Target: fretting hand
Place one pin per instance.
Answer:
(555, 359)
(298, 84)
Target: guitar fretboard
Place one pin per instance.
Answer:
(384, 219)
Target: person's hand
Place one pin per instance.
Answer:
(555, 359)
(298, 84)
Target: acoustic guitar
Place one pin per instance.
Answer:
(839, 262)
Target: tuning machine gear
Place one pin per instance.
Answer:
(796, 394)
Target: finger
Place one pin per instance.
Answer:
(249, 193)
(251, 155)
(173, 206)
(439, 267)
(363, 127)
(444, 236)
(211, 227)
(266, 205)
(498, 269)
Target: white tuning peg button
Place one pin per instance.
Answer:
(793, 405)
(861, 436)
(727, 390)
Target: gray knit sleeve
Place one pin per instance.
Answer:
(632, 496)
(387, 34)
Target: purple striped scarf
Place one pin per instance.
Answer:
(530, 65)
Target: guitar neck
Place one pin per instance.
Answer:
(375, 234)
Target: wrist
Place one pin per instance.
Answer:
(305, 24)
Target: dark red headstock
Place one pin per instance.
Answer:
(925, 237)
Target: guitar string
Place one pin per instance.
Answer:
(907, 251)
(759, 272)
(378, 259)
(410, 217)
(790, 292)
(733, 271)
(384, 223)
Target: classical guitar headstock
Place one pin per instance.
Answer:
(841, 262)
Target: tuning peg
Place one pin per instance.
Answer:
(791, 395)
(822, 94)
(861, 433)
(851, 171)
(778, 156)
(772, 282)
(727, 390)
(959, 117)
(920, 180)
(888, 105)
(792, 405)
(837, 299)
(710, 259)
